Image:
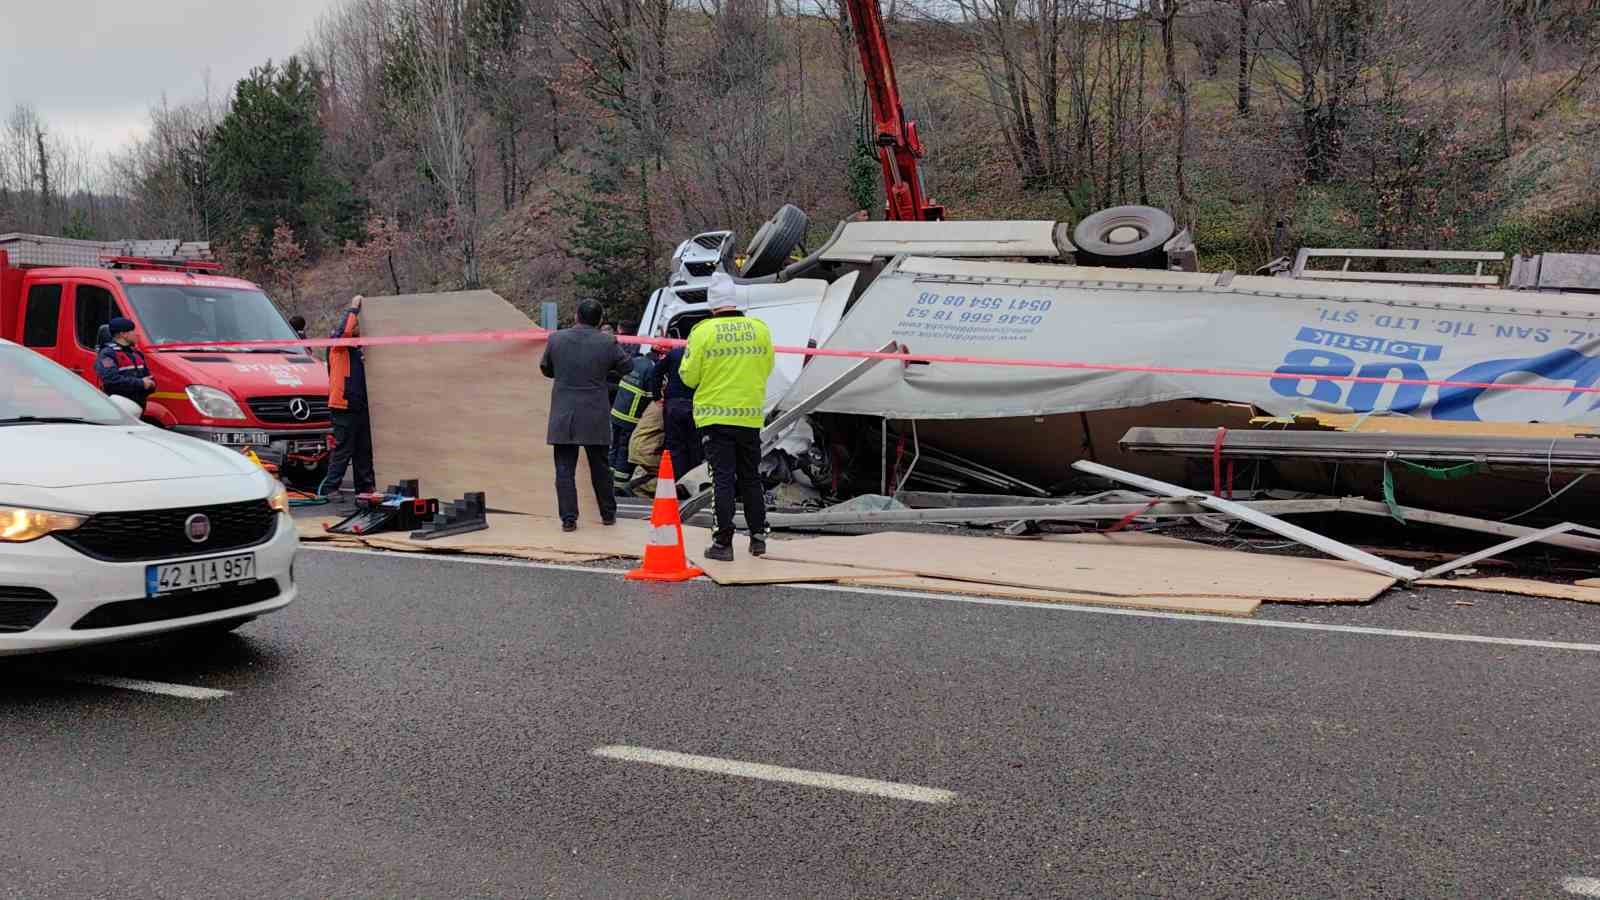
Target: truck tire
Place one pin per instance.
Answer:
(1124, 237)
(769, 250)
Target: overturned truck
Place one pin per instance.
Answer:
(1123, 333)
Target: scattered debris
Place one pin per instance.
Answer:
(1259, 519)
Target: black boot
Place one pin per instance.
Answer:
(720, 552)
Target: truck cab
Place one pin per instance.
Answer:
(271, 399)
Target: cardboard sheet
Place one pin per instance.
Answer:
(1126, 539)
(1128, 571)
(520, 537)
(1522, 586)
(463, 417)
(1220, 606)
(746, 569)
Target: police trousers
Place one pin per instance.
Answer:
(735, 457)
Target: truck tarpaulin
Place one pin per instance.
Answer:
(1276, 328)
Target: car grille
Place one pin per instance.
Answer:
(163, 533)
(276, 409)
(176, 606)
(701, 269)
(21, 608)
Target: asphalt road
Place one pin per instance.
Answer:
(416, 727)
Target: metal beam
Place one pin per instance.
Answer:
(1256, 517)
(1512, 544)
(1058, 513)
(1465, 523)
(774, 429)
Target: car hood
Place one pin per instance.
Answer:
(65, 456)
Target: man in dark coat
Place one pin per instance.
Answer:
(580, 359)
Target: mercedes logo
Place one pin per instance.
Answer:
(197, 528)
(300, 409)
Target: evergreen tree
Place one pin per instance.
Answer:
(610, 233)
(267, 155)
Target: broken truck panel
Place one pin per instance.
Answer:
(1138, 318)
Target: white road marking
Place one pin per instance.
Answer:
(1030, 604)
(185, 691)
(890, 789)
(1580, 886)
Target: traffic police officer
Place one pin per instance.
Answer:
(121, 366)
(727, 361)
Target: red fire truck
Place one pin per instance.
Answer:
(57, 296)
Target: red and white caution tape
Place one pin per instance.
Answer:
(539, 335)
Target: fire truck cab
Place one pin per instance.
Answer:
(57, 297)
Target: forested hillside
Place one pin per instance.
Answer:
(554, 148)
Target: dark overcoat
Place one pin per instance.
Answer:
(579, 359)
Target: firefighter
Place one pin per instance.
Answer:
(727, 362)
(677, 401)
(347, 404)
(627, 406)
(121, 366)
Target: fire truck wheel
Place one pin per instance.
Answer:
(1123, 231)
(769, 250)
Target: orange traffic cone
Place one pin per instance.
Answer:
(664, 559)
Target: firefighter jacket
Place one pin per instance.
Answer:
(727, 362)
(122, 371)
(632, 396)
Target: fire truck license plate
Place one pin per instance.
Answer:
(241, 438)
(167, 578)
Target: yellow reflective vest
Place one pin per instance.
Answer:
(727, 363)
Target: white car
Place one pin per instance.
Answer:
(112, 529)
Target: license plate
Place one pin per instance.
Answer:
(241, 438)
(167, 578)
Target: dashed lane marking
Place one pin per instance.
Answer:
(1054, 607)
(718, 766)
(187, 692)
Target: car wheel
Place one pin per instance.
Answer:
(1124, 236)
(769, 250)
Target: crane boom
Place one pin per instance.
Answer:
(894, 136)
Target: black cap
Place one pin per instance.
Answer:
(119, 325)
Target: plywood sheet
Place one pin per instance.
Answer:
(463, 417)
(1522, 586)
(1221, 606)
(1126, 571)
(1589, 582)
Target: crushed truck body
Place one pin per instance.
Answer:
(1111, 349)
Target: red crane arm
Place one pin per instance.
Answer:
(898, 146)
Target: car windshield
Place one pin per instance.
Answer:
(177, 314)
(34, 389)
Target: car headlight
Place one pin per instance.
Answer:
(279, 498)
(214, 403)
(19, 526)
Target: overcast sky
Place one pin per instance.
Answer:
(95, 67)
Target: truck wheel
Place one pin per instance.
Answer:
(769, 250)
(1124, 236)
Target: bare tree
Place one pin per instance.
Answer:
(442, 115)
